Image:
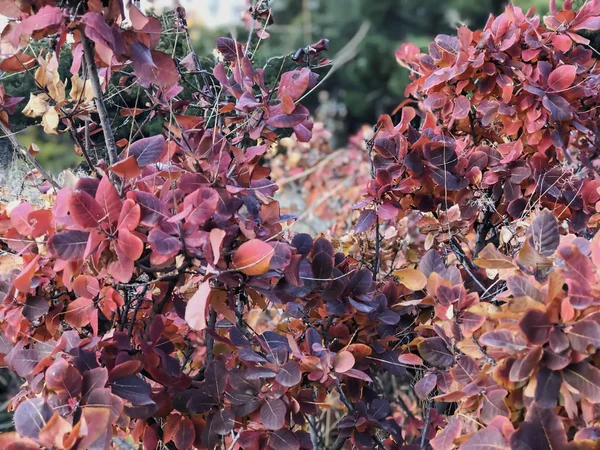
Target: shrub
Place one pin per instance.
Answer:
(164, 300)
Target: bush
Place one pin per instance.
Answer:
(164, 301)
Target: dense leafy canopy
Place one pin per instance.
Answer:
(165, 299)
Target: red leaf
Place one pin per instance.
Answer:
(410, 359)
(152, 209)
(425, 385)
(560, 109)
(29, 222)
(97, 420)
(35, 307)
(486, 439)
(79, 312)
(47, 17)
(585, 378)
(166, 74)
(294, 83)
(86, 286)
(85, 210)
(536, 326)
(494, 405)
(109, 200)
(130, 244)
(436, 100)
(562, 77)
(444, 440)
(23, 281)
(129, 217)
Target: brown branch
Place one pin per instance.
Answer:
(465, 262)
(135, 311)
(109, 138)
(426, 419)
(339, 442)
(210, 341)
(489, 359)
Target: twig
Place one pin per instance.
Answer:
(473, 133)
(343, 397)
(210, 341)
(377, 247)
(424, 433)
(488, 358)
(465, 262)
(239, 313)
(405, 407)
(135, 311)
(21, 149)
(339, 442)
(109, 138)
(314, 435)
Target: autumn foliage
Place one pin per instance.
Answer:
(164, 300)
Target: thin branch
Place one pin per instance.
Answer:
(24, 152)
(424, 433)
(135, 311)
(465, 262)
(472, 123)
(376, 263)
(314, 435)
(339, 442)
(210, 341)
(109, 137)
(488, 358)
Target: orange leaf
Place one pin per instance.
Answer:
(253, 257)
(18, 63)
(413, 279)
(491, 258)
(127, 168)
(23, 281)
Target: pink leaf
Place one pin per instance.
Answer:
(562, 77)
(195, 311)
(343, 361)
(216, 239)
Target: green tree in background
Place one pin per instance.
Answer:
(372, 83)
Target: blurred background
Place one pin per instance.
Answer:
(370, 84)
